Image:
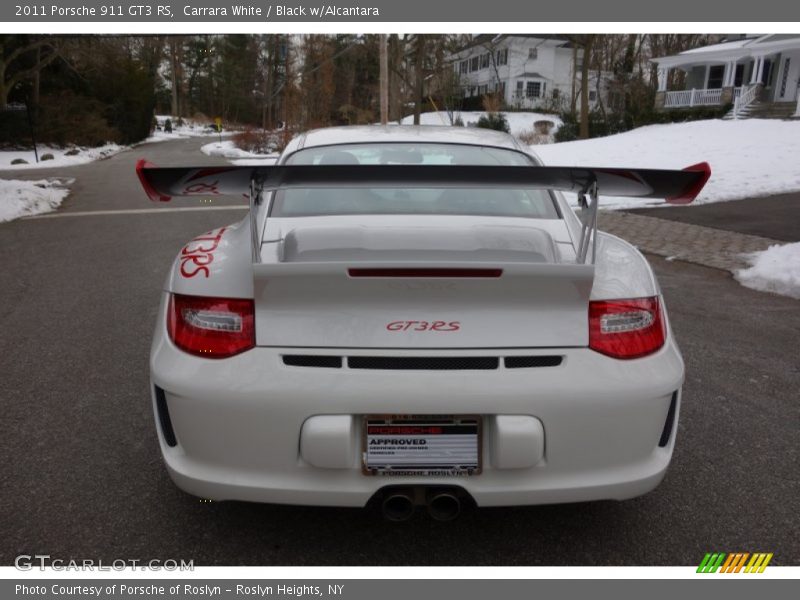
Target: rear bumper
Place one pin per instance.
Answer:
(238, 423)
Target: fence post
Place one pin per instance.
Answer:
(691, 99)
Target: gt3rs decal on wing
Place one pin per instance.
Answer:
(199, 253)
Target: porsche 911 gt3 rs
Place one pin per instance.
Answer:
(416, 316)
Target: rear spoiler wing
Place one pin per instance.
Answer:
(675, 186)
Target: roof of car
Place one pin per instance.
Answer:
(403, 133)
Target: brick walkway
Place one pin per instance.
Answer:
(683, 241)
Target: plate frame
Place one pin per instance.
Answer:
(428, 420)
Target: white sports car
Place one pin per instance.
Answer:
(414, 316)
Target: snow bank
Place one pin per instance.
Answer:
(267, 159)
(228, 150)
(518, 122)
(776, 269)
(751, 158)
(25, 198)
(78, 155)
(61, 158)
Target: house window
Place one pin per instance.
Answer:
(485, 61)
(534, 89)
(556, 93)
(501, 57)
(464, 66)
(533, 53)
(519, 89)
(715, 75)
(501, 88)
(592, 95)
(616, 100)
(474, 63)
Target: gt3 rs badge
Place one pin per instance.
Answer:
(441, 326)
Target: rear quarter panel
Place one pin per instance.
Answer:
(217, 263)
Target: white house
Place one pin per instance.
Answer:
(757, 74)
(529, 71)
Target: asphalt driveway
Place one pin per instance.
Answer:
(776, 217)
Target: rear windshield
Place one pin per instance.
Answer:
(531, 203)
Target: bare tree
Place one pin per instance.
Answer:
(176, 74)
(587, 41)
(419, 75)
(12, 63)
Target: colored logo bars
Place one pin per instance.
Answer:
(734, 562)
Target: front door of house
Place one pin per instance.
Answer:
(788, 78)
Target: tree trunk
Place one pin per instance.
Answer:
(3, 88)
(173, 67)
(36, 80)
(396, 47)
(574, 97)
(587, 56)
(384, 80)
(419, 74)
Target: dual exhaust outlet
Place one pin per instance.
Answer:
(400, 504)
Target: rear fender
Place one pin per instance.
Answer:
(216, 263)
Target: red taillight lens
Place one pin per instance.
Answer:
(626, 328)
(211, 327)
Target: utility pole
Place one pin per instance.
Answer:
(419, 75)
(384, 79)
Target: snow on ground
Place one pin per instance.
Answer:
(228, 150)
(25, 198)
(750, 158)
(61, 156)
(261, 160)
(776, 269)
(518, 122)
(78, 155)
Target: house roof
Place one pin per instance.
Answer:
(494, 39)
(721, 46)
(531, 75)
(761, 45)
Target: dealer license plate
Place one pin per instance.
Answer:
(432, 445)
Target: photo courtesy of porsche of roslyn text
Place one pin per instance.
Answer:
(382, 299)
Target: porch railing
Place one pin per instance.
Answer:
(693, 98)
(745, 97)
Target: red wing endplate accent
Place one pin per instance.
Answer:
(693, 189)
(151, 192)
(678, 187)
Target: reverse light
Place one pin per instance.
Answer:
(626, 328)
(211, 327)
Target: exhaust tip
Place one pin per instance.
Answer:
(398, 507)
(444, 506)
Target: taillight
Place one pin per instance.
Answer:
(211, 327)
(626, 328)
